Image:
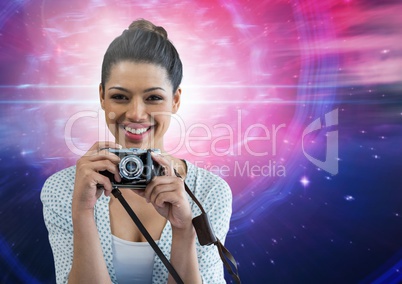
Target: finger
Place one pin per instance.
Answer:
(161, 160)
(167, 197)
(104, 155)
(106, 165)
(103, 183)
(107, 144)
(157, 180)
(159, 185)
(102, 145)
(164, 180)
(103, 165)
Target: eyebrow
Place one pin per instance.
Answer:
(145, 91)
(153, 89)
(118, 88)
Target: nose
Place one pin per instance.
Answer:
(136, 110)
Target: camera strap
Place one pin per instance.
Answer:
(117, 193)
(203, 228)
(206, 236)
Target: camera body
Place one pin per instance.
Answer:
(136, 167)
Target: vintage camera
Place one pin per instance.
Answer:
(136, 167)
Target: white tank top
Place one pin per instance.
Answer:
(133, 261)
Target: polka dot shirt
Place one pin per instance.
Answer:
(212, 192)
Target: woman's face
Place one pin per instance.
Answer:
(138, 101)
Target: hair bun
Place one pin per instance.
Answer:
(145, 25)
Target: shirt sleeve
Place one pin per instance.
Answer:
(55, 194)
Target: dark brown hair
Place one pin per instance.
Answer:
(147, 43)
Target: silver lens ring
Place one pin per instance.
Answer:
(131, 167)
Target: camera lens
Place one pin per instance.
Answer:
(131, 167)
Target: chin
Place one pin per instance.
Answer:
(139, 144)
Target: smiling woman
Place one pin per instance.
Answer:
(92, 237)
(141, 99)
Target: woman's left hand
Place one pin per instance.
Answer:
(168, 196)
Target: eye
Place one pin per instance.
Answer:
(154, 98)
(119, 97)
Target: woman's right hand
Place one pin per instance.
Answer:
(87, 177)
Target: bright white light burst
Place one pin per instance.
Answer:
(304, 181)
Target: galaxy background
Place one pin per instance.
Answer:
(256, 74)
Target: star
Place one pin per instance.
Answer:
(304, 181)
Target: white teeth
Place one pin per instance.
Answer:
(136, 131)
